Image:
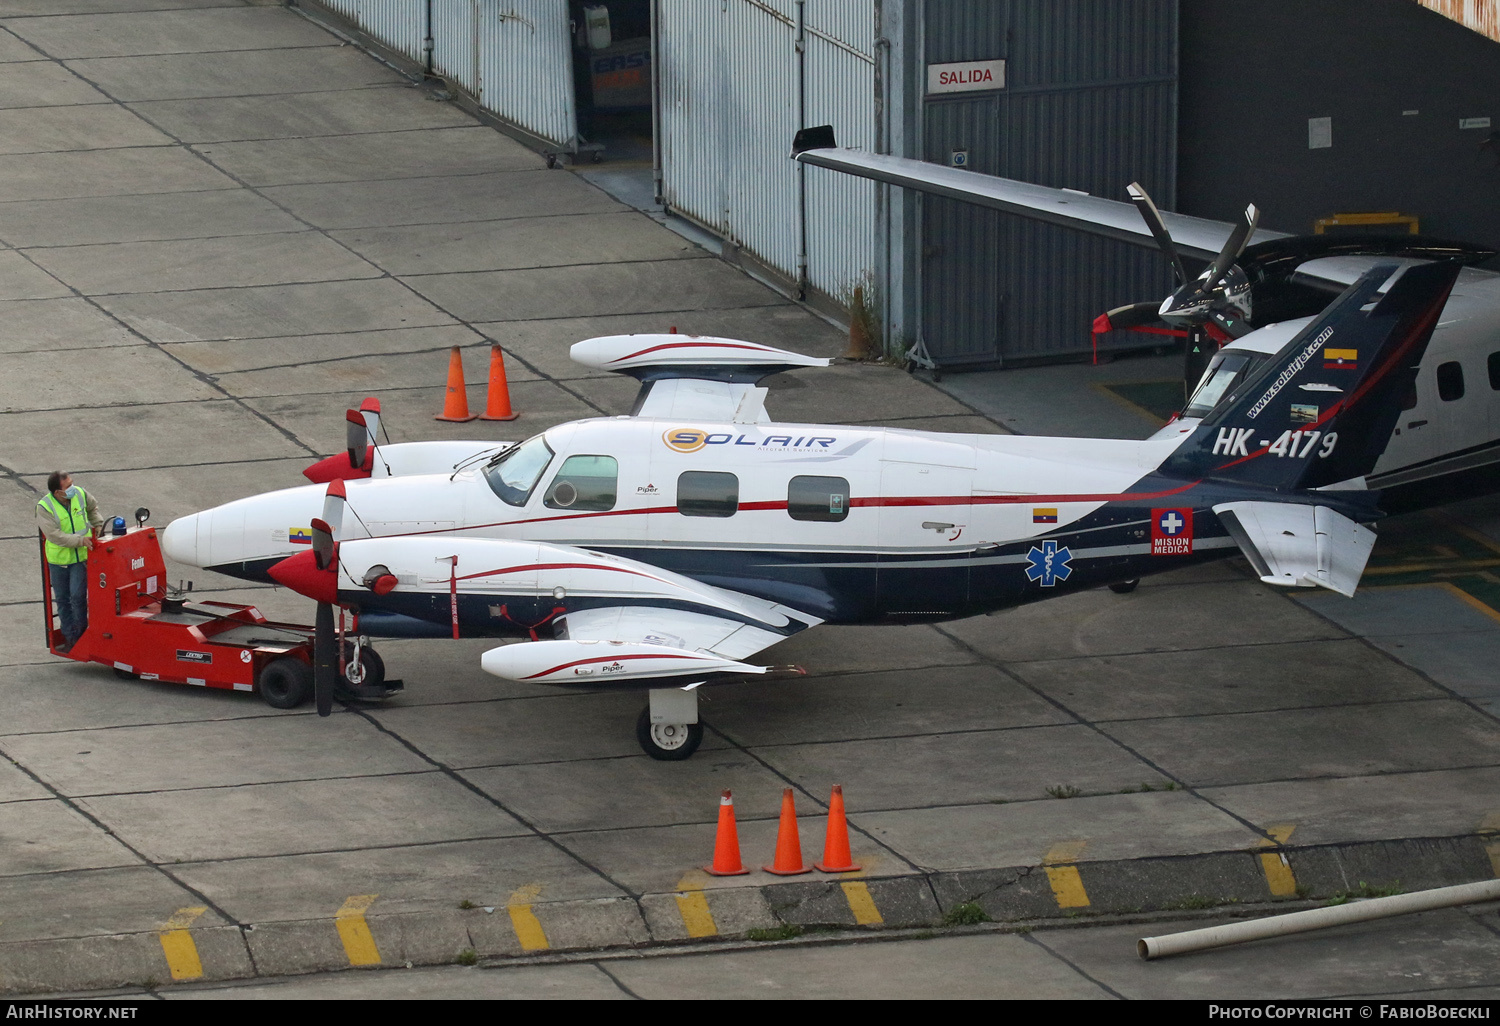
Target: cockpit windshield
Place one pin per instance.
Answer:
(1224, 371)
(514, 473)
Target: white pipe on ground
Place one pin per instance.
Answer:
(1317, 919)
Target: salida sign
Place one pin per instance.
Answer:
(965, 77)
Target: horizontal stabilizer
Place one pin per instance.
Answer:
(1299, 546)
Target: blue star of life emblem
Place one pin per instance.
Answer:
(1049, 564)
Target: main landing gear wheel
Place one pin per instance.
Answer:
(669, 742)
(1125, 587)
(371, 672)
(286, 683)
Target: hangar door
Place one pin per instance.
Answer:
(1089, 103)
(515, 57)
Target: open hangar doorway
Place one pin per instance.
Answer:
(612, 62)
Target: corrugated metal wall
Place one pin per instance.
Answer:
(525, 57)
(1089, 104)
(728, 74)
(515, 57)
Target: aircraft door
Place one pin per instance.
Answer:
(924, 539)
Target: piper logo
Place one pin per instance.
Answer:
(685, 439)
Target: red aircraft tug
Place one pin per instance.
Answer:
(136, 627)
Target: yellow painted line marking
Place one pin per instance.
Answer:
(1274, 863)
(359, 943)
(177, 944)
(692, 905)
(1067, 884)
(861, 903)
(1109, 390)
(1451, 588)
(1491, 826)
(1464, 529)
(696, 918)
(528, 927)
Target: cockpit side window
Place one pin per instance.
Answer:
(585, 483)
(1224, 370)
(514, 473)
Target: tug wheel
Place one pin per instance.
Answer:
(668, 742)
(285, 683)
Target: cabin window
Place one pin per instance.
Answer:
(585, 484)
(1450, 381)
(1495, 371)
(704, 493)
(514, 473)
(818, 498)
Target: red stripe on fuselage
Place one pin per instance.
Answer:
(562, 566)
(871, 501)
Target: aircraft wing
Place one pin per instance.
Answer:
(1114, 219)
(638, 620)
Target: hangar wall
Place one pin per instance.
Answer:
(1089, 103)
(737, 80)
(515, 61)
(1254, 74)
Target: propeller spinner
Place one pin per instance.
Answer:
(1222, 292)
(316, 575)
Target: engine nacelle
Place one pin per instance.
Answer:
(596, 663)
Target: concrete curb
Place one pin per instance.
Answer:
(1013, 894)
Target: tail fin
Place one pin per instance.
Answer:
(1324, 407)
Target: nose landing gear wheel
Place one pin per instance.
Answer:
(669, 742)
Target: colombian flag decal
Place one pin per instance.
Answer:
(1341, 359)
(299, 535)
(1043, 516)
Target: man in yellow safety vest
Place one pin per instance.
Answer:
(68, 516)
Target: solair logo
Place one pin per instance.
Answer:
(687, 440)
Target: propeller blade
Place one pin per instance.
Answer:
(356, 437)
(1233, 247)
(322, 543)
(1135, 315)
(1152, 217)
(325, 659)
(334, 501)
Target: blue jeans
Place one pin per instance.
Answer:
(70, 587)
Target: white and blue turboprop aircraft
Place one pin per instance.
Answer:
(666, 548)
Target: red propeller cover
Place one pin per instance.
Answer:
(301, 574)
(335, 468)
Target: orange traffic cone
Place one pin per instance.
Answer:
(788, 845)
(456, 402)
(836, 857)
(727, 843)
(497, 406)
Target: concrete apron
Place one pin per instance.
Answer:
(191, 946)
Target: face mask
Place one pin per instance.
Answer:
(72, 491)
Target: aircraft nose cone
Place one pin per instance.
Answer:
(180, 540)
